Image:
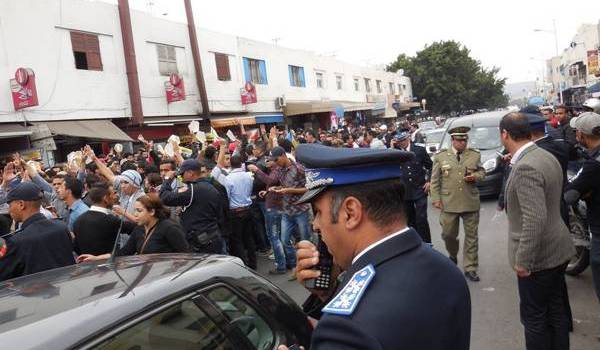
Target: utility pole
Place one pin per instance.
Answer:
(196, 57)
(135, 99)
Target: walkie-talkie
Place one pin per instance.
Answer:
(325, 266)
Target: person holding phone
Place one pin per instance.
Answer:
(389, 296)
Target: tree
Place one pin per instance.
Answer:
(450, 80)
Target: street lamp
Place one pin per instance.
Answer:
(553, 32)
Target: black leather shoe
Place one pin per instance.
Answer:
(472, 275)
(454, 260)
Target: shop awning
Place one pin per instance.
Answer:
(352, 107)
(269, 118)
(296, 108)
(8, 130)
(90, 129)
(227, 122)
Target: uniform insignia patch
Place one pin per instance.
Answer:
(3, 248)
(348, 298)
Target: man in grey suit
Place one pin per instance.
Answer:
(539, 246)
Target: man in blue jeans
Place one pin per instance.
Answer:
(288, 180)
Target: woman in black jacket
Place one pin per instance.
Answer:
(155, 233)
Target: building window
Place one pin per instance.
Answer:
(367, 85)
(167, 59)
(392, 92)
(339, 82)
(222, 62)
(296, 76)
(379, 89)
(356, 84)
(255, 71)
(320, 82)
(86, 51)
(399, 89)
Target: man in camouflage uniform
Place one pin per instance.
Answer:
(454, 191)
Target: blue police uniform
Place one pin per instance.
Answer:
(397, 294)
(415, 174)
(40, 244)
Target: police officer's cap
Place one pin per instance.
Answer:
(25, 191)
(328, 166)
(459, 132)
(536, 121)
(401, 135)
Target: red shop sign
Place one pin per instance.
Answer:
(248, 94)
(22, 87)
(175, 88)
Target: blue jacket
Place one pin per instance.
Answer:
(417, 299)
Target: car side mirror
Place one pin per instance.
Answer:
(432, 148)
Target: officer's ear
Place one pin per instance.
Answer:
(351, 212)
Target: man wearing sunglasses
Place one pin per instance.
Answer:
(454, 191)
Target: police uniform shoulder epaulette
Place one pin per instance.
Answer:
(441, 151)
(474, 149)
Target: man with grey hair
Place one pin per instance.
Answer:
(585, 184)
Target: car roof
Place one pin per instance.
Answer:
(479, 119)
(58, 308)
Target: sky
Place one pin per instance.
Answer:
(498, 33)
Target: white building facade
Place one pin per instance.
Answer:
(75, 49)
(575, 71)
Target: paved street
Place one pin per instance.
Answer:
(495, 322)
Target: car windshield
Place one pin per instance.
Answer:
(428, 125)
(434, 136)
(481, 138)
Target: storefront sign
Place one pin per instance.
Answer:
(248, 94)
(175, 88)
(24, 92)
(593, 68)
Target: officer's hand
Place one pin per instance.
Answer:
(521, 271)
(251, 167)
(262, 194)
(307, 257)
(426, 187)
(437, 204)
(86, 257)
(283, 347)
(118, 210)
(470, 178)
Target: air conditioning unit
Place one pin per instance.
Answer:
(280, 102)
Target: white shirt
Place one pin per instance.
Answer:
(377, 143)
(373, 245)
(520, 151)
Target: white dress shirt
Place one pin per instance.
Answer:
(373, 245)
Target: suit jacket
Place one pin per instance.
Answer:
(448, 184)
(417, 299)
(416, 172)
(538, 237)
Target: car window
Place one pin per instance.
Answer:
(434, 136)
(481, 138)
(181, 326)
(243, 316)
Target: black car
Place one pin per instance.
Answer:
(485, 137)
(166, 301)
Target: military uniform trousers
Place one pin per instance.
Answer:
(450, 224)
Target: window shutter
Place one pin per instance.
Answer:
(78, 41)
(222, 62)
(93, 52)
(247, 73)
(301, 75)
(263, 72)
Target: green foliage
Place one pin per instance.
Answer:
(450, 80)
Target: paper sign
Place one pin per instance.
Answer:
(231, 136)
(201, 136)
(194, 126)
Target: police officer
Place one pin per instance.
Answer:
(454, 191)
(585, 185)
(389, 296)
(40, 244)
(416, 174)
